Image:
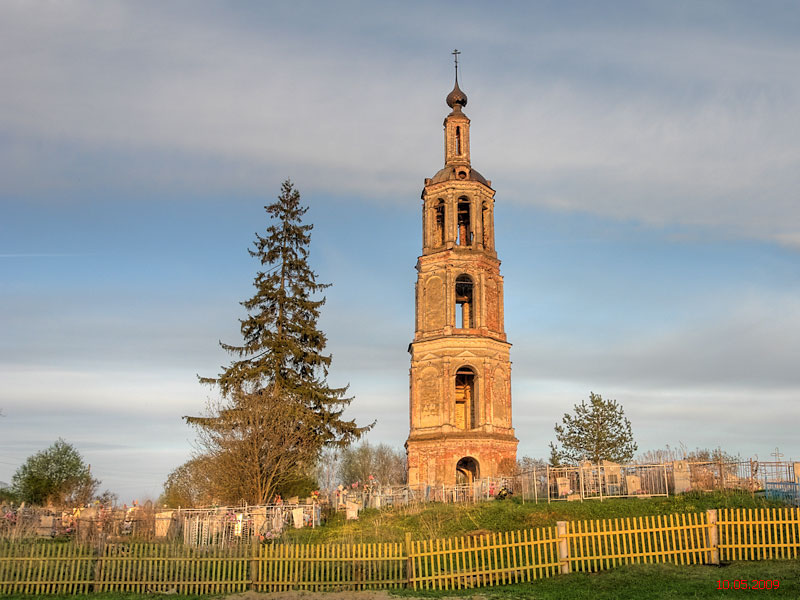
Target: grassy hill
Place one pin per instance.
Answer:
(434, 520)
(654, 582)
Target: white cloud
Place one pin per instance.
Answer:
(651, 123)
(748, 342)
(117, 394)
(126, 424)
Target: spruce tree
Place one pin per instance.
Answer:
(282, 359)
(598, 431)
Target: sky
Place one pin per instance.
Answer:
(645, 157)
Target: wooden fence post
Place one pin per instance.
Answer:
(563, 546)
(601, 475)
(548, 484)
(100, 551)
(713, 536)
(255, 550)
(409, 562)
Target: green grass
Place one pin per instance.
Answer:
(664, 581)
(431, 521)
(434, 520)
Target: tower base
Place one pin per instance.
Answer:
(459, 458)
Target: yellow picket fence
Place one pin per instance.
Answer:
(759, 534)
(470, 561)
(321, 567)
(601, 545)
(51, 568)
(493, 559)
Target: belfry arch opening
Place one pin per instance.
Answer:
(464, 224)
(467, 470)
(465, 305)
(485, 225)
(458, 141)
(438, 219)
(466, 400)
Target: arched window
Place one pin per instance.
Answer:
(487, 237)
(464, 225)
(465, 305)
(438, 239)
(466, 400)
(458, 141)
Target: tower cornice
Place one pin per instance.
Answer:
(457, 258)
(452, 178)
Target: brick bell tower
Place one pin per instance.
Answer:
(460, 391)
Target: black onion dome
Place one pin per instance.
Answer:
(456, 97)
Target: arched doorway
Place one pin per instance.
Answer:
(467, 470)
(466, 402)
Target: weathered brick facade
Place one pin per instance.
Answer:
(460, 396)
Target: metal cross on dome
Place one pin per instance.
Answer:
(455, 54)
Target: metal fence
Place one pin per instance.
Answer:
(217, 526)
(590, 482)
(787, 492)
(585, 482)
(226, 526)
(611, 480)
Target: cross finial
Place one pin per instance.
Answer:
(777, 454)
(456, 99)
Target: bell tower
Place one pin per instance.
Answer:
(460, 390)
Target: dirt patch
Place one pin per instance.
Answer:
(304, 595)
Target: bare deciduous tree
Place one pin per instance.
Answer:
(326, 469)
(386, 464)
(253, 445)
(188, 485)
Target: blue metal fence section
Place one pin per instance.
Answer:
(785, 491)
